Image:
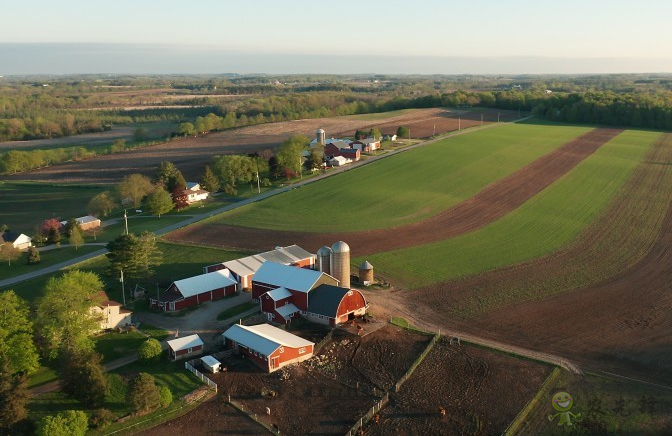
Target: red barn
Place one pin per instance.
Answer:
(278, 306)
(334, 150)
(195, 290)
(334, 305)
(188, 346)
(298, 281)
(268, 347)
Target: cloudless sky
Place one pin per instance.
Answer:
(625, 36)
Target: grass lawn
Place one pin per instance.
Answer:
(408, 187)
(542, 225)
(25, 204)
(235, 310)
(47, 258)
(155, 332)
(135, 225)
(114, 345)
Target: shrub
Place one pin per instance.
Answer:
(166, 396)
(101, 418)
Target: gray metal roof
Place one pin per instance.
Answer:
(185, 342)
(279, 294)
(246, 266)
(290, 277)
(366, 265)
(264, 338)
(204, 282)
(340, 247)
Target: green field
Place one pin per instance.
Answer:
(545, 223)
(47, 258)
(408, 187)
(25, 205)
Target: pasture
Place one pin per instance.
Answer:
(542, 225)
(406, 188)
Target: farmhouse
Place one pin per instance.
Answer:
(195, 290)
(86, 222)
(188, 346)
(268, 347)
(194, 193)
(19, 240)
(243, 270)
(366, 145)
(112, 313)
(334, 305)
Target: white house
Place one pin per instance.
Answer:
(113, 315)
(195, 193)
(19, 240)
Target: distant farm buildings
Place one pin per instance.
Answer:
(338, 152)
(18, 240)
(87, 222)
(194, 193)
(268, 347)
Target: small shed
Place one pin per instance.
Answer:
(188, 346)
(366, 273)
(211, 364)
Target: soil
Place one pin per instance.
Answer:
(190, 155)
(490, 204)
(480, 390)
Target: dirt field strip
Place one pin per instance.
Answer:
(493, 202)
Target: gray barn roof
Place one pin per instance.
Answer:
(325, 299)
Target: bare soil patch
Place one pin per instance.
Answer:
(481, 390)
(190, 155)
(493, 202)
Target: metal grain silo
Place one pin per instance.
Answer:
(340, 263)
(321, 137)
(366, 273)
(324, 259)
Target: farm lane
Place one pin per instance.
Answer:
(487, 206)
(267, 194)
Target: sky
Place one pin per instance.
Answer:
(343, 36)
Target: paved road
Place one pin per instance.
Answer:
(195, 218)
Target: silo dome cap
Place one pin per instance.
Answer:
(366, 265)
(340, 247)
(324, 251)
(320, 130)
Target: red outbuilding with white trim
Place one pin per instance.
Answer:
(195, 290)
(184, 347)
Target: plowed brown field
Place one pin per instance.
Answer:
(493, 202)
(190, 155)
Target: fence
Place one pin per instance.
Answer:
(252, 416)
(417, 362)
(200, 375)
(368, 415)
(323, 342)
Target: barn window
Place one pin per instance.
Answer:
(189, 350)
(350, 293)
(282, 349)
(302, 350)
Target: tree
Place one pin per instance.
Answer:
(102, 204)
(69, 225)
(165, 396)
(49, 224)
(289, 153)
(101, 418)
(33, 256)
(375, 133)
(186, 129)
(134, 254)
(76, 239)
(68, 423)
(360, 134)
(8, 252)
(143, 394)
(209, 181)
(314, 161)
(165, 176)
(16, 334)
(54, 236)
(118, 146)
(402, 132)
(150, 350)
(140, 134)
(159, 201)
(180, 198)
(133, 188)
(64, 315)
(177, 182)
(83, 376)
(13, 396)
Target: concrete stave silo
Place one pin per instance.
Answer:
(340, 263)
(324, 259)
(366, 273)
(321, 136)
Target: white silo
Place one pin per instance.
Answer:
(324, 259)
(340, 263)
(321, 137)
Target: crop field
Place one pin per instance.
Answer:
(542, 225)
(190, 155)
(421, 183)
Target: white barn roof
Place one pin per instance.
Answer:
(290, 277)
(210, 361)
(185, 343)
(279, 294)
(286, 255)
(264, 338)
(287, 310)
(204, 283)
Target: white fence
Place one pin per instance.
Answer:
(200, 375)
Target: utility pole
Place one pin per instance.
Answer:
(434, 134)
(258, 185)
(300, 172)
(481, 120)
(498, 117)
(123, 291)
(126, 221)
(459, 123)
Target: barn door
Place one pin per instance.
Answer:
(274, 362)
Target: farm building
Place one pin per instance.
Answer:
(211, 364)
(188, 346)
(366, 145)
(335, 149)
(86, 222)
(112, 313)
(338, 161)
(268, 347)
(334, 305)
(297, 281)
(19, 240)
(243, 270)
(194, 193)
(195, 290)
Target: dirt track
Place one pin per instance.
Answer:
(493, 202)
(190, 155)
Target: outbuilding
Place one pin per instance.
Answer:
(334, 305)
(211, 364)
(19, 240)
(195, 290)
(182, 348)
(268, 347)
